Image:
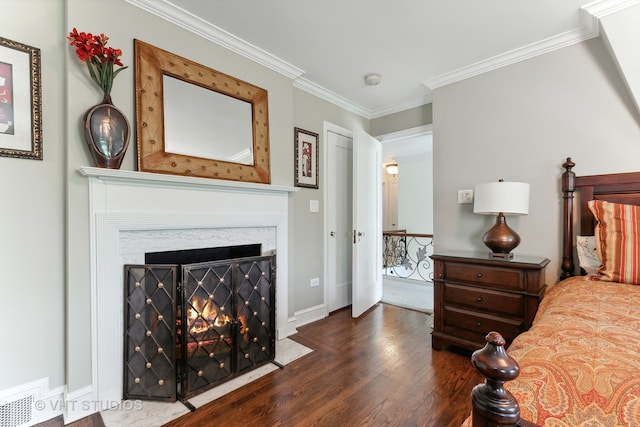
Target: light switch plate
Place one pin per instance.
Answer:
(465, 196)
(314, 206)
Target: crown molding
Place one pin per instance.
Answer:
(532, 50)
(406, 133)
(403, 106)
(323, 93)
(319, 91)
(180, 17)
(601, 8)
(591, 13)
(590, 28)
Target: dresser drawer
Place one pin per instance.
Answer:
(474, 326)
(475, 294)
(484, 300)
(496, 277)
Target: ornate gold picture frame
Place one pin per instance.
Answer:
(20, 101)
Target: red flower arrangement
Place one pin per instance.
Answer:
(99, 58)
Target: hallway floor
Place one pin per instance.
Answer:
(412, 294)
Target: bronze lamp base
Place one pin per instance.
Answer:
(501, 239)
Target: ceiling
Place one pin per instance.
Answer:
(406, 147)
(327, 47)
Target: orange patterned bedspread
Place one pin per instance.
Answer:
(580, 362)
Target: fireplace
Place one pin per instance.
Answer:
(195, 319)
(130, 216)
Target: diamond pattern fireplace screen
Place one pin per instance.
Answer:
(185, 335)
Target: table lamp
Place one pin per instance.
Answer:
(501, 198)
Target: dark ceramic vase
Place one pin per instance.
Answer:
(107, 133)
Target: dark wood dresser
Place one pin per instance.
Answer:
(474, 294)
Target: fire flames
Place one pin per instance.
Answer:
(203, 316)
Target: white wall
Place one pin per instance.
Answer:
(32, 215)
(389, 199)
(519, 123)
(415, 193)
(621, 33)
(307, 255)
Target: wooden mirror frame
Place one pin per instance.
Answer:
(151, 64)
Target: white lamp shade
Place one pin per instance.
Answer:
(510, 198)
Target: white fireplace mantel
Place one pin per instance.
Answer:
(129, 201)
(117, 175)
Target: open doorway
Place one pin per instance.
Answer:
(410, 189)
(408, 218)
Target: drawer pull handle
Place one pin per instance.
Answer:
(479, 299)
(479, 324)
(479, 275)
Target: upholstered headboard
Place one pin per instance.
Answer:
(617, 188)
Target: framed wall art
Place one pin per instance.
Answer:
(306, 158)
(20, 101)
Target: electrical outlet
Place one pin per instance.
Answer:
(314, 282)
(465, 196)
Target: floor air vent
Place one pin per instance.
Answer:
(16, 413)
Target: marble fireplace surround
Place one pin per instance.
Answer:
(133, 212)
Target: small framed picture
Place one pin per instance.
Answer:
(20, 101)
(306, 158)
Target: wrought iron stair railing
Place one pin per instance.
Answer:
(407, 255)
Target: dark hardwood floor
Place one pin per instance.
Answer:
(378, 370)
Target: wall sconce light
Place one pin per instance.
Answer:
(392, 169)
(501, 198)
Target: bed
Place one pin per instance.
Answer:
(579, 363)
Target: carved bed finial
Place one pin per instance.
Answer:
(568, 165)
(492, 404)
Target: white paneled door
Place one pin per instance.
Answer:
(339, 201)
(353, 214)
(367, 222)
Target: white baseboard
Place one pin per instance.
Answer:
(311, 314)
(30, 403)
(288, 330)
(79, 404)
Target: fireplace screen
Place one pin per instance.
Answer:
(185, 335)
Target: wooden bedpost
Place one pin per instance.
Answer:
(492, 404)
(568, 188)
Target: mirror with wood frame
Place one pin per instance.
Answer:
(195, 121)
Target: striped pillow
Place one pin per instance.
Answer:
(617, 235)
